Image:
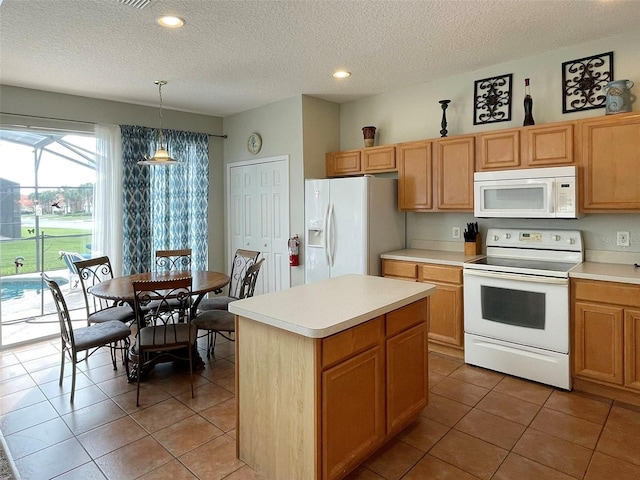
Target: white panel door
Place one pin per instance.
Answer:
(250, 206)
(259, 204)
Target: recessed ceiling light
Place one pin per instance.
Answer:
(170, 21)
(341, 74)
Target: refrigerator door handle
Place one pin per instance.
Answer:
(326, 234)
(329, 235)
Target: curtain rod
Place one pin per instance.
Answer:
(77, 121)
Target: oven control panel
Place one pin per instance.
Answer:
(568, 240)
(530, 237)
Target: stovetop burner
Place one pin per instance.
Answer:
(534, 252)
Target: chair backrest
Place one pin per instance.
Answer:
(163, 303)
(92, 272)
(66, 329)
(242, 260)
(173, 259)
(249, 282)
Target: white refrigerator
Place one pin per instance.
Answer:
(349, 222)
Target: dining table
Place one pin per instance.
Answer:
(120, 290)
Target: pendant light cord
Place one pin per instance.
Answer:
(160, 83)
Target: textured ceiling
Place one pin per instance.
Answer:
(232, 56)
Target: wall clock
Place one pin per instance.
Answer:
(254, 143)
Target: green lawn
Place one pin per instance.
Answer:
(55, 240)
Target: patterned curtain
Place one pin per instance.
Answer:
(164, 207)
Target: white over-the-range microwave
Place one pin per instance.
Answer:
(527, 193)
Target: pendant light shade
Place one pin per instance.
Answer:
(161, 157)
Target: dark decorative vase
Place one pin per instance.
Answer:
(528, 105)
(369, 136)
(444, 104)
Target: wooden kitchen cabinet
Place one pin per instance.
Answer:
(611, 163)
(353, 410)
(357, 162)
(326, 404)
(454, 164)
(415, 176)
(347, 162)
(446, 319)
(446, 314)
(442, 182)
(359, 408)
(606, 328)
(379, 159)
(549, 145)
(400, 269)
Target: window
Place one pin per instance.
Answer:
(46, 211)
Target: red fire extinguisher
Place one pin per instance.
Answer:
(294, 251)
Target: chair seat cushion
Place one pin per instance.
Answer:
(218, 320)
(216, 303)
(100, 334)
(123, 313)
(164, 336)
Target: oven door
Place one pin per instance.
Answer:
(522, 309)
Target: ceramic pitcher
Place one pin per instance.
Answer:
(618, 96)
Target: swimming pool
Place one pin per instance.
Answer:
(13, 289)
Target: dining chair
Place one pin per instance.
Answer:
(113, 334)
(222, 322)
(92, 272)
(173, 259)
(164, 328)
(242, 260)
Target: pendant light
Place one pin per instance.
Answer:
(161, 157)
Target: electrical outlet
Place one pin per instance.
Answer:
(455, 232)
(622, 239)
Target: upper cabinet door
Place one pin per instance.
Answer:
(379, 159)
(547, 146)
(415, 190)
(499, 150)
(453, 172)
(347, 162)
(611, 163)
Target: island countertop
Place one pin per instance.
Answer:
(321, 309)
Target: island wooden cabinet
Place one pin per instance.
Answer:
(611, 163)
(378, 385)
(547, 145)
(357, 162)
(606, 325)
(446, 314)
(323, 405)
(442, 182)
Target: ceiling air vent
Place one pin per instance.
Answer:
(139, 4)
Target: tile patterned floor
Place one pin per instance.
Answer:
(478, 425)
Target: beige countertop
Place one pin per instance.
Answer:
(320, 309)
(609, 272)
(430, 256)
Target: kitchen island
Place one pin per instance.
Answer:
(327, 372)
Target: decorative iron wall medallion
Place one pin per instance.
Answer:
(492, 100)
(583, 81)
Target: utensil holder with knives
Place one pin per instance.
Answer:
(472, 244)
(473, 248)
